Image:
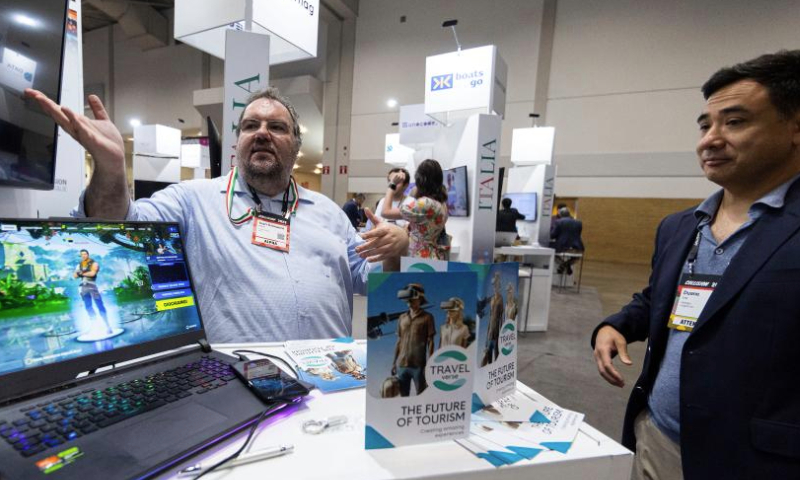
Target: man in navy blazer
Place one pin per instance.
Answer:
(719, 392)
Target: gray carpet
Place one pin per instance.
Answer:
(559, 364)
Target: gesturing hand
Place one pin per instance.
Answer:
(607, 344)
(384, 242)
(99, 136)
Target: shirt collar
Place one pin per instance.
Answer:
(241, 188)
(775, 198)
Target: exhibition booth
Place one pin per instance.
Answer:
(105, 362)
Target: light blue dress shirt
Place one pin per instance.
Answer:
(249, 293)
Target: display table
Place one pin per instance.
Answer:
(338, 453)
(537, 262)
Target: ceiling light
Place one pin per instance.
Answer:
(299, 154)
(296, 166)
(135, 122)
(391, 103)
(319, 165)
(23, 19)
(303, 129)
(317, 171)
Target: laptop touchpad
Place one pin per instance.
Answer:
(168, 432)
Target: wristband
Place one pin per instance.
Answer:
(392, 186)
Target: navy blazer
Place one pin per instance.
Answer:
(740, 367)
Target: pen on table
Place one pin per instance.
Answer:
(260, 454)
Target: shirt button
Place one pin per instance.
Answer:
(719, 251)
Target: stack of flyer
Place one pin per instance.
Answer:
(519, 427)
(330, 365)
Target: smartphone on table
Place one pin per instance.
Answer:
(269, 383)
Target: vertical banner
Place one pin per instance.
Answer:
(421, 357)
(548, 190)
(246, 72)
(484, 191)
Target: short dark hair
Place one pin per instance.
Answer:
(405, 172)
(84, 250)
(274, 95)
(506, 203)
(429, 179)
(778, 72)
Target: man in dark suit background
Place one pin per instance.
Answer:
(507, 217)
(353, 209)
(719, 392)
(565, 237)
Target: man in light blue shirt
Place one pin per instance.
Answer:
(247, 291)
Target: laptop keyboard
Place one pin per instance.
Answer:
(66, 418)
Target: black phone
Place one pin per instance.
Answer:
(269, 382)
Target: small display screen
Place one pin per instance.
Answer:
(73, 289)
(31, 47)
(455, 181)
(526, 204)
(270, 382)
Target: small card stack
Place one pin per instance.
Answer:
(330, 365)
(519, 427)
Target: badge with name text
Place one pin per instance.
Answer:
(692, 295)
(271, 231)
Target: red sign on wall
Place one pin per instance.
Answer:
(326, 170)
(342, 169)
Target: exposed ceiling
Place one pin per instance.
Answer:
(94, 17)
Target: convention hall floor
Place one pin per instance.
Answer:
(559, 363)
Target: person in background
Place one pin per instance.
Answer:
(507, 217)
(718, 394)
(403, 177)
(353, 208)
(425, 210)
(566, 238)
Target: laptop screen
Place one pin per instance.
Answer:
(73, 289)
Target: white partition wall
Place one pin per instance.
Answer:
(474, 143)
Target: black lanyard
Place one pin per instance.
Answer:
(257, 199)
(692, 258)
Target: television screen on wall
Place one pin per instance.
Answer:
(455, 181)
(31, 56)
(526, 203)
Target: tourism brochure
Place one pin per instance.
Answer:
(557, 433)
(516, 407)
(330, 365)
(489, 432)
(498, 300)
(493, 453)
(421, 351)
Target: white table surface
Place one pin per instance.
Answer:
(339, 453)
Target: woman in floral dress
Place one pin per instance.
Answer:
(425, 210)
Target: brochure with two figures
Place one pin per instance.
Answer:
(421, 350)
(497, 307)
(330, 365)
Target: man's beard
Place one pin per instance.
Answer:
(266, 176)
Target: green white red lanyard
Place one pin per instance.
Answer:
(291, 198)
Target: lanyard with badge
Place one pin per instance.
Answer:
(269, 230)
(693, 293)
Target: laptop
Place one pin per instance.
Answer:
(504, 239)
(77, 298)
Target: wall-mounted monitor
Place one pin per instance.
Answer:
(31, 56)
(455, 181)
(146, 188)
(526, 203)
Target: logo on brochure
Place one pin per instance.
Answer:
(508, 338)
(441, 82)
(449, 370)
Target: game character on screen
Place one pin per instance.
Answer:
(87, 271)
(415, 332)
